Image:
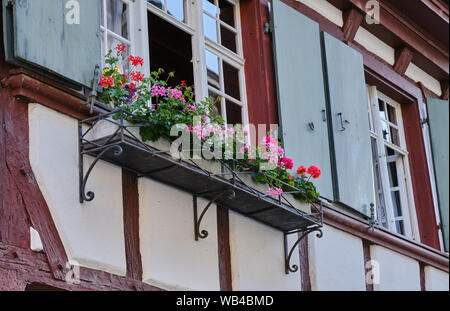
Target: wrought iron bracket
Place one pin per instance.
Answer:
(203, 234)
(288, 252)
(89, 196)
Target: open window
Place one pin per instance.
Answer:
(198, 40)
(392, 181)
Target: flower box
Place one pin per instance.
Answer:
(102, 137)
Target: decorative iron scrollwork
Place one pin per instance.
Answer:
(288, 255)
(203, 234)
(89, 196)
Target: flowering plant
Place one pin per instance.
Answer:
(164, 106)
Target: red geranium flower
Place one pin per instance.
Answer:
(136, 60)
(183, 83)
(301, 170)
(121, 48)
(106, 81)
(288, 163)
(137, 76)
(314, 171)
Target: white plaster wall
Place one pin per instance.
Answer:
(336, 261)
(92, 233)
(326, 9)
(375, 45)
(257, 257)
(171, 258)
(418, 75)
(435, 280)
(397, 272)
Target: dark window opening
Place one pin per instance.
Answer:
(170, 49)
(234, 113)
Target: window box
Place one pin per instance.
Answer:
(119, 142)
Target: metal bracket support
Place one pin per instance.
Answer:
(203, 234)
(288, 253)
(89, 196)
(372, 220)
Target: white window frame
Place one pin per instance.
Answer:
(404, 176)
(193, 25)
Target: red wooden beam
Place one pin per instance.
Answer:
(367, 268)
(259, 65)
(383, 237)
(352, 20)
(444, 86)
(409, 35)
(403, 58)
(17, 161)
(131, 224)
(223, 236)
(304, 264)
(19, 267)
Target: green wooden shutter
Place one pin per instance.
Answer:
(38, 37)
(301, 96)
(438, 116)
(349, 125)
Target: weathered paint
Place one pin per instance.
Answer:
(42, 38)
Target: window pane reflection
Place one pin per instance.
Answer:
(117, 20)
(226, 12)
(176, 9)
(217, 108)
(210, 28)
(212, 65)
(210, 7)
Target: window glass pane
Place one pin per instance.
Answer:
(217, 108)
(390, 152)
(117, 17)
(212, 65)
(393, 176)
(386, 134)
(210, 7)
(226, 12)
(382, 109)
(391, 114)
(231, 79)
(400, 227)
(210, 28)
(395, 139)
(228, 38)
(176, 9)
(396, 203)
(234, 113)
(157, 3)
(123, 60)
(381, 209)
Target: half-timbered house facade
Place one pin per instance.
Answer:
(359, 88)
